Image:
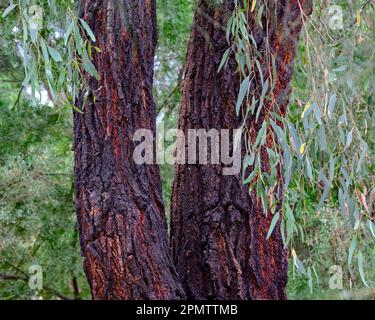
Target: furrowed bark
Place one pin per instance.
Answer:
(120, 211)
(219, 230)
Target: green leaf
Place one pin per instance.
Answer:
(289, 213)
(67, 33)
(331, 106)
(243, 30)
(251, 177)
(331, 168)
(322, 139)
(78, 39)
(253, 173)
(288, 165)
(298, 263)
(31, 68)
(51, 86)
(349, 139)
(309, 169)
(317, 112)
(289, 232)
(279, 132)
(274, 221)
(224, 60)
(245, 85)
(33, 34)
(61, 80)
(259, 16)
(247, 161)
(89, 67)
(341, 69)
(253, 104)
(262, 193)
(360, 268)
(54, 54)
(261, 134)
(88, 30)
(44, 50)
(253, 41)
(75, 108)
(260, 72)
(371, 226)
(228, 30)
(8, 10)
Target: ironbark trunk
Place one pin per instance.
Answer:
(123, 232)
(219, 230)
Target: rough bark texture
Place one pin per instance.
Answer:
(119, 204)
(219, 230)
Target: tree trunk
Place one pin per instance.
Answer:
(120, 211)
(218, 230)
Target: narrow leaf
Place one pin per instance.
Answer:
(360, 268)
(224, 59)
(349, 139)
(273, 224)
(331, 106)
(88, 30)
(243, 91)
(8, 10)
(54, 54)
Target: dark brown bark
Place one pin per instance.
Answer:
(219, 230)
(120, 211)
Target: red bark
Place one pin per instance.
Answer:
(219, 230)
(120, 211)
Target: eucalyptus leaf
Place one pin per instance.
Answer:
(88, 30)
(224, 60)
(274, 221)
(55, 54)
(244, 88)
(331, 106)
(9, 10)
(352, 247)
(360, 268)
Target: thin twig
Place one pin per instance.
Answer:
(18, 97)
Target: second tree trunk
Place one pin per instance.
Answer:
(218, 230)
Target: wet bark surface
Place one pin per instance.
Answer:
(219, 230)
(120, 211)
